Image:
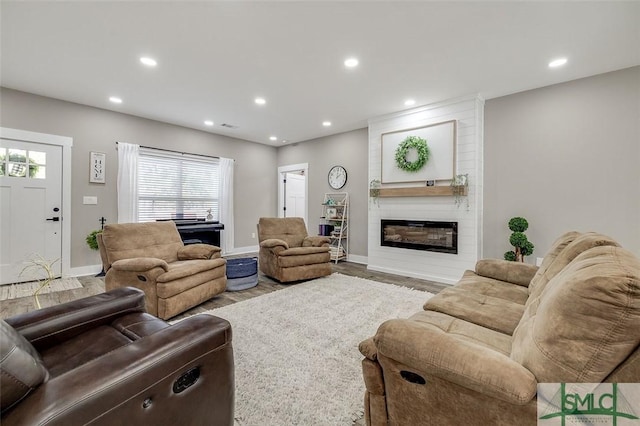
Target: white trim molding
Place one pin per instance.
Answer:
(354, 258)
(304, 167)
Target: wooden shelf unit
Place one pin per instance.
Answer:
(339, 203)
(423, 191)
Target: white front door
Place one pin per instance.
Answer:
(30, 207)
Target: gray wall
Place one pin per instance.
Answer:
(94, 129)
(566, 157)
(350, 150)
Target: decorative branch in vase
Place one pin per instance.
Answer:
(38, 265)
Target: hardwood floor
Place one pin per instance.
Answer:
(93, 285)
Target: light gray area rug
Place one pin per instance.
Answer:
(14, 291)
(296, 350)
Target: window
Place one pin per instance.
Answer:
(177, 186)
(18, 161)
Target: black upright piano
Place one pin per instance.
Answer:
(195, 231)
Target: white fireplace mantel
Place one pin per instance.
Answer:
(401, 204)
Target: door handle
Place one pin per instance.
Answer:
(54, 219)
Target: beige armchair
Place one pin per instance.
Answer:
(152, 257)
(288, 253)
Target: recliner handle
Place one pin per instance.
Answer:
(186, 380)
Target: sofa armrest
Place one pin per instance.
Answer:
(198, 251)
(139, 264)
(316, 241)
(463, 362)
(368, 349)
(274, 242)
(504, 270)
(61, 322)
(136, 382)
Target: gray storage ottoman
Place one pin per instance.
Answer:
(242, 273)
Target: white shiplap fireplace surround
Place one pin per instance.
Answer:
(440, 267)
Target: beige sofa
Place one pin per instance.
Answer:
(478, 350)
(287, 253)
(152, 257)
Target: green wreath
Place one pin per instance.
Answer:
(412, 142)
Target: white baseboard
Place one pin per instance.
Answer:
(85, 270)
(358, 259)
(242, 250)
(427, 277)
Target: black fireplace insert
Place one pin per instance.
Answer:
(426, 235)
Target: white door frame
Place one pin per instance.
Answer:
(282, 170)
(66, 143)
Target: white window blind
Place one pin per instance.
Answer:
(177, 186)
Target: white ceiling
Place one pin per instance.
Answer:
(214, 58)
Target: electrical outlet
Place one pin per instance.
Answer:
(538, 261)
(253, 235)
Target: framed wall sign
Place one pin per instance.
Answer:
(97, 165)
(441, 140)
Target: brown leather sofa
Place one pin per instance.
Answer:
(287, 253)
(152, 257)
(478, 350)
(103, 360)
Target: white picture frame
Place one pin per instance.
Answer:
(97, 166)
(441, 140)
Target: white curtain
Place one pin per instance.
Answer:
(128, 182)
(226, 204)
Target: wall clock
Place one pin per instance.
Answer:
(337, 177)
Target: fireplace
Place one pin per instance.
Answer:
(426, 235)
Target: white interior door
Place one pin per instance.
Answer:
(293, 195)
(30, 207)
(296, 201)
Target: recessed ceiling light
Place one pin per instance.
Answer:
(557, 62)
(260, 101)
(409, 102)
(351, 63)
(115, 100)
(326, 123)
(150, 62)
(273, 138)
(208, 123)
(284, 141)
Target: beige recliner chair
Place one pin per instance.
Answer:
(288, 253)
(152, 257)
(103, 360)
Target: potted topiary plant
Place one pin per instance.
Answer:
(522, 246)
